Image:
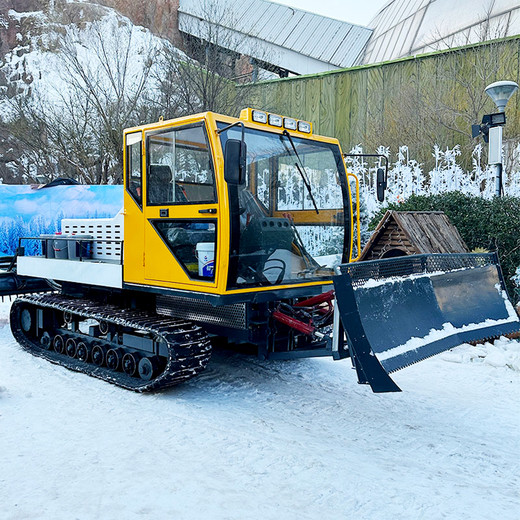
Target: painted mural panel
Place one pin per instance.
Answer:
(32, 210)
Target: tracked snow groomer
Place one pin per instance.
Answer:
(241, 229)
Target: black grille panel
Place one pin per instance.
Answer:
(361, 272)
(232, 316)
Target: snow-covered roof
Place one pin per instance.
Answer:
(409, 27)
(294, 40)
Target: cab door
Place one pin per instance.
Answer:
(180, 210)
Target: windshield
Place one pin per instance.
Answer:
(288, 221)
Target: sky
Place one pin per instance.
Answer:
(353, 11)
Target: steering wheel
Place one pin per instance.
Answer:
(282, 267)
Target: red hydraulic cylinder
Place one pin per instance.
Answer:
(298, 325)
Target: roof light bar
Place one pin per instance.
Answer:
(266, 118)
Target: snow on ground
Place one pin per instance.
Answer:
(270, 440)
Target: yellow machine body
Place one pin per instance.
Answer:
(242, 229)
(148, 261)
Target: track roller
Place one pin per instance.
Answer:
(104, 328)
(58, 343)
(98, 355)
(114, 358)
(71, 347)
(83, 351)
(46, 341)
(131, 363)
(148, 367)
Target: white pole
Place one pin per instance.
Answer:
(495, 156)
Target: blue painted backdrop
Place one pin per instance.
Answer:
(29, 211)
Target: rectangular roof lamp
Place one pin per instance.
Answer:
(265, 118)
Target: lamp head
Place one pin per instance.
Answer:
(500, 92)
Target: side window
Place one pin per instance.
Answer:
(179, 168)
(134, 178)
(192, 243)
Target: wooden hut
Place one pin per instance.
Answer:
(401, 233)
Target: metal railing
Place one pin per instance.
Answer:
(84, 249)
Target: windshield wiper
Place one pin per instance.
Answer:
(301, 169)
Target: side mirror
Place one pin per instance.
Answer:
(235, 157)
(381, 184)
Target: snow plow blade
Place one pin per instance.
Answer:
(399, 311)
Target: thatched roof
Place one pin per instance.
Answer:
(413, 232)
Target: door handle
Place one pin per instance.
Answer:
(210, 210)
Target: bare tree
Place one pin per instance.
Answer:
(108, 90)
(76, 128)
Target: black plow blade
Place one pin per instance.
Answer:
(399, 311)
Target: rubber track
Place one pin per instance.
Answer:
(189, 347)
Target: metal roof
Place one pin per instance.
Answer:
(409, 27)
(295, 40)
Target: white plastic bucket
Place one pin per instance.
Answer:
(206, 258)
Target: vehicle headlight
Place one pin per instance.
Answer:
(304, 126)
(275, 120)
(289, 123)
(259, 116)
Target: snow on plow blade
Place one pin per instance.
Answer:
(399, 311)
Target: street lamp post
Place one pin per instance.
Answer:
(492, 124)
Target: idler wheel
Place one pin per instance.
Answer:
(70, 347)
(26, 320)
(148, 367)
(98, 354)
(131, 363)
(114, 358)
(58, 343)
(46, 341)
(83, 351)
